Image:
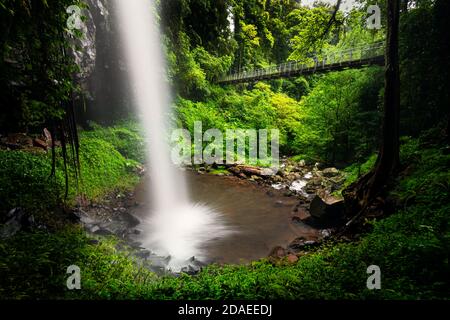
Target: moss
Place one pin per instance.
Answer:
(126, 137)
(219, 172)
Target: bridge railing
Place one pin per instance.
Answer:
(354, 54)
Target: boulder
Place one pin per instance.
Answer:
(19, 138)
(193, 267)
(277, 179)
(328, 210)
(235, 170)
(292, 258)
(277, 253)
(47, 135)
(17, 220)
(40, 144)
(139, 170)
(301, 215)
(330, 172)
(301, 244)
(249, 170)
(325, 233)
(255, 178)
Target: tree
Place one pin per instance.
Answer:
(360, 195)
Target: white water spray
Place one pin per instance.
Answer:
(175, 226)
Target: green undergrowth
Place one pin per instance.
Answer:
(108, 157)
(126, 137)
(355, 171)
(411, 247)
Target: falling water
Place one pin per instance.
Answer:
(175, 227)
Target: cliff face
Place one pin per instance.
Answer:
(102, 72)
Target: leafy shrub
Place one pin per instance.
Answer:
(25, 177)
(25, 181)
(126, 138)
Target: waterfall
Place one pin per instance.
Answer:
(175, 227)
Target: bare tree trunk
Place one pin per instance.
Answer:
(361, 194)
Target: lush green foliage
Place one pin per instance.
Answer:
(126, 138)
(331, 118)
(411, 247)
(336, 121)
(26, 182)
(341, 118)
(35, 74)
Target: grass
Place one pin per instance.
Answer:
(411, 247)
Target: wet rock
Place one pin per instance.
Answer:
(249, 170)
(20, 139)
(277, 179)
(47, 136)
(12, 146)
(319, 166)
(298, 186)
(190, 269)
(40, 144)
(83, 217)
(327, 210)
(289, 168)
(94, 228)
(277, 253)
(308, 175)
(330, 172)
(139, 170)
(136, 231)
(143, 254)
(302, 163)
(281, 174)
(129, 218)
(315, 181)
(278, 186)
(301, 215)
(292, 258)
(18, 220)
(104, 232)
(301, 244)
(235, 170)
(194, 266)
(325, 233)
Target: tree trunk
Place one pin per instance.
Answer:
(361, 194)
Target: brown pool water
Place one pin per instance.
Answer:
(259, 216)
